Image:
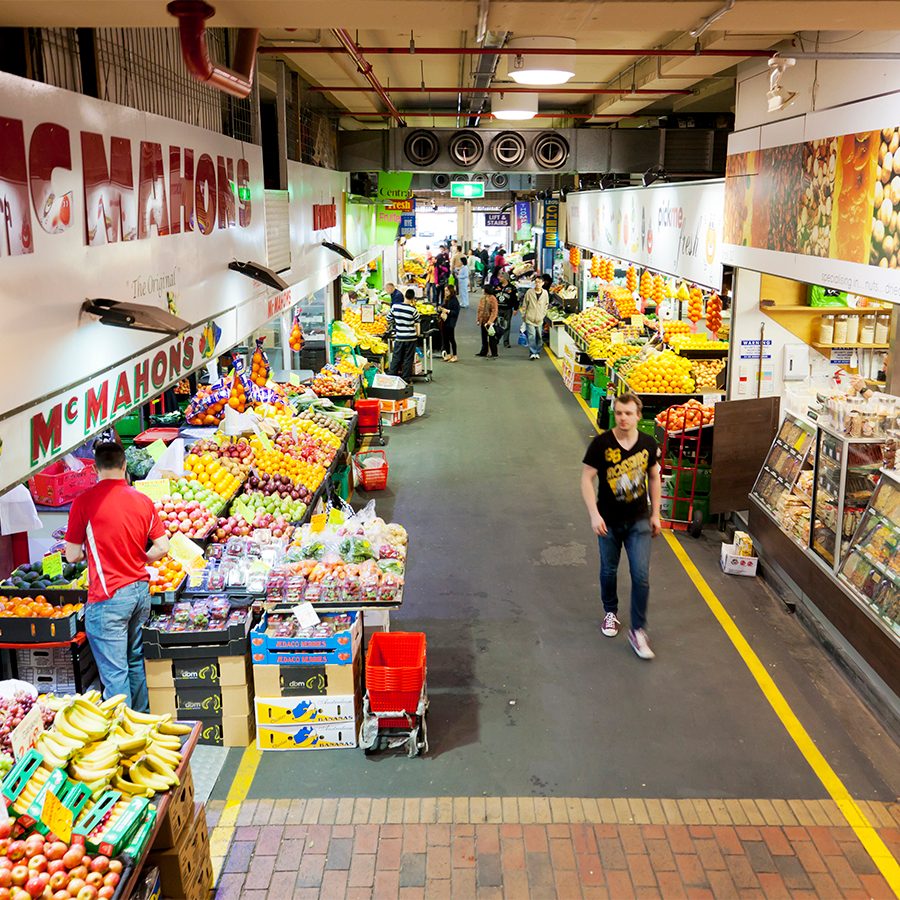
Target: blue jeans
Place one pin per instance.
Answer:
(535, 335)
(636, 539)
(113, 629)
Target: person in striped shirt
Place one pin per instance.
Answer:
(404, 317)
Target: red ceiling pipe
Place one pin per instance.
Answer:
(192, 16)
(365, 67)
(508, 51)
(502, 90)
(445, 114)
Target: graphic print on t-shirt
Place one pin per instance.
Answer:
(627, 480)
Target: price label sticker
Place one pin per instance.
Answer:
(711, 399)
(317, 523)
(57, 817)
(616, 337)
(638, 320)
(335, 517)
(52, 565)
(264, 440)
(156, 450)
(184, 550)
(23, 736)
(367, 314)
(294, 379)
(306, 615)
(239, 508)
(155, 489)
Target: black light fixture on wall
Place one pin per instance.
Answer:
(136, 316)
(259, 272)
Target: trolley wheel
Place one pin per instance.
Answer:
(696, 526)
(412, 745)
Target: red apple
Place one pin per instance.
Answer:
(61, 895)
(4, 893)
(99, 864)
(58, 880)
(16, 850)
(106, 893)
(19, 875)
(5, 828)
(55, 865)
(115, 865)
(34, 887)
(5, 878)
(73, 856)
(111, 879)
(56, 850)
(79, 872)
(88, 892)
(38, 863)
(95, 879)
(75, 885)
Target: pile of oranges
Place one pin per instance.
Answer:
(167, 574)
(38, 607)
(212, 473)
(295, 341)
(662, 373)
(670, 329)
(259, 366)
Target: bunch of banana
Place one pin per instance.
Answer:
(30, 791)
(151, 768)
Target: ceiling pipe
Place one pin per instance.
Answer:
(508, 51)
(192, 16)
(342, 89)
(365, 67)
(446, 114)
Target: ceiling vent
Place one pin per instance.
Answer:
(465, 148)
(508, 149)
(551, 150)
(440, 181)
(422, 148)
(500, 181)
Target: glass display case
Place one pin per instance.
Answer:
(872, 566)
(788, 457)
(846, 472)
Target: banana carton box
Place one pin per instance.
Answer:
(316, 736)
(306, 710)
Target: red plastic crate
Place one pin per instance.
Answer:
(58, 485)
(395, 670)
(166, 435)
(369, 412)
(371, 479)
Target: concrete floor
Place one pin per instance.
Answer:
(527, 697)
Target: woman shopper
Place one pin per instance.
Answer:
(486, 317)
(462, 280)
(450, 314)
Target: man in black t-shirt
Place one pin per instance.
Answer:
(624, 511)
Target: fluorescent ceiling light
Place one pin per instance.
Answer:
(515, 106)
(541, 68)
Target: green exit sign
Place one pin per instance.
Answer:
(467, 190)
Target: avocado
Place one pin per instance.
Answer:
(32, 577)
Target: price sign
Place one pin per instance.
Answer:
(367, 314)
(616, 337)
(306, 615)
(52, 565)
(294, 379)
(711, 399)
(156, 450)
(335, 517)
(155, 489)
(184, 550)
(317, 523)
(23, 736)
(264, 440)
(638, 320)
(57, 817)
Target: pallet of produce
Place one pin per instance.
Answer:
(38, 576)
(41, 619)
(207, 621)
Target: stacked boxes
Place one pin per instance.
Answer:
(217, 691)
(308, 690)
(395, 412)
(58, 670)
(573, 372)
(185, 869)
(179, 813)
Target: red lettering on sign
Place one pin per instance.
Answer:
(181, 190)
(225, 187)
(188, 352)
(158, 372)
(109, 209)
(123, 393)
(205, 194)
(71, 410)
(97, 404)
(15, 210)
(141, 380)
(153, 205)
(46, 434)
(174, 360)
(324, 215)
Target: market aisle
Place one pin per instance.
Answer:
(529, 701)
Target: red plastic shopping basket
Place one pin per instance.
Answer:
(372, 478)
(369, 412)
(58, 485)
(395, 672)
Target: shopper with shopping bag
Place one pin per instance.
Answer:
(534, 311)
(486, 317)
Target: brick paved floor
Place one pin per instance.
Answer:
(544, 848)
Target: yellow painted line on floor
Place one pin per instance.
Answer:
(856, 819)
(590, 413)
(222, 834)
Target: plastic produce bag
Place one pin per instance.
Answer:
(822, 296)
(523, 341)
(170, 463)
(17, 512)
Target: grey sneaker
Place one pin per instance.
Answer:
(640, 644)
(610, 626)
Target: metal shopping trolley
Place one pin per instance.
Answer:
(396, 702)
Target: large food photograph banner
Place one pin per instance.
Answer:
(825, 211)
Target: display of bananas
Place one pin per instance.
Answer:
(105, 744)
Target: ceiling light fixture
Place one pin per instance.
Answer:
(778, 98)
(534, 67)
(515, 107)
(654, 173)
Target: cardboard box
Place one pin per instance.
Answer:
(201, 702)
(407, 415)
(307, 710)
(326, 736)
(227, 731)
(732, 564)
(389, 387)
(193, 673)
(338, 649)
(179, 813)
(393, 406)
(304, 681)
(181, 866)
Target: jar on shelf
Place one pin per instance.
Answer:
(882, 328)
(867, 330)
(826, 330)
(840, 330)
(852, 329)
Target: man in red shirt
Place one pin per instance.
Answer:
(111, 524)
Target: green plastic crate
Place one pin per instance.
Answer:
(703, 484)
(648, 426)
(597, 394)
(129, 426)
(701, 504)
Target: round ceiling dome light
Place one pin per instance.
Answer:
(515, 106)
(534, 67)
